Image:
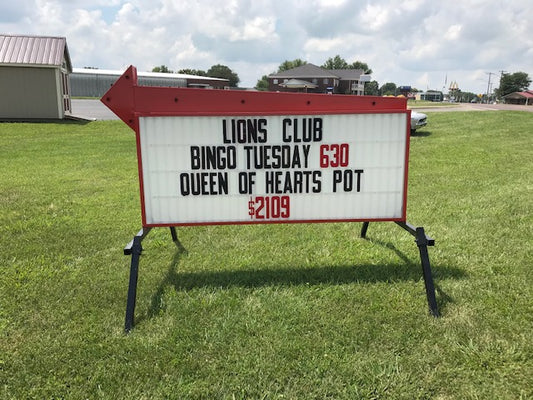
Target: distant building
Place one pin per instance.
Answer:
(34, 77)
(432, 95)
(312, 79)
(524, 98)
(90, 82)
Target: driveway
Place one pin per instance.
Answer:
(91, 109)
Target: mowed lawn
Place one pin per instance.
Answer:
(301, 311)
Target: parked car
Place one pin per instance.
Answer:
(418, 120)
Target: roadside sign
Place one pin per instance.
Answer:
(212, 157)
(236, 157)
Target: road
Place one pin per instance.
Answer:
(473, 107)
(95, 110)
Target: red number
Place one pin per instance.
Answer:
(285, 206)
(334, 155)
(324, 159)
(261, 204)
(274, 207)
(344, 154)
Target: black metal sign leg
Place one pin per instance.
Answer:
(173, 234)
(133, 248)
(422, 243)
(136, 251)
(364, 229)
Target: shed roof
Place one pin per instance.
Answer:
(34, 50)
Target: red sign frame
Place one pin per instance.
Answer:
(130, 102)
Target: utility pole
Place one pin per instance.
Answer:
(488, 85)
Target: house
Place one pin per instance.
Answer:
(524, 98)
(34, 77)
(313, 79)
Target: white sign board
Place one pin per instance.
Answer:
(272, 169)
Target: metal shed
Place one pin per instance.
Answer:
(88, 82)
(34, 77)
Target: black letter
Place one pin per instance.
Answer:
(195, 157)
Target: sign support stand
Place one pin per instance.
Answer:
(134, 248)
(422, 241)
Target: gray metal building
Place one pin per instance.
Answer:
(34, 77)
(88, 82)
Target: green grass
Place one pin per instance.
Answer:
(266, 312)
(428, 104)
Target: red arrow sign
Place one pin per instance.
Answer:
(129, 101)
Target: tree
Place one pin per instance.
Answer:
(509, 83)
(372, 88)
(336, 62)
(262, 84)
(286, 65)
(361, 65)
(224, 72)
(162, 68)
(388, 89)
(188, 71)
(466, 97)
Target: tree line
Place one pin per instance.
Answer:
(509, 82)
(216, 71)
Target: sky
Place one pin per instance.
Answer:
(427, 44)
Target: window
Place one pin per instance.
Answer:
(275, 81)
(326, 81)
(315, 81)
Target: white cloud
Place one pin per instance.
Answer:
(453, 32)
(416, 42)
(323, 45)
(375, 16)
(258, 28)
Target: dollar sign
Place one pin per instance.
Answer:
(251, 208)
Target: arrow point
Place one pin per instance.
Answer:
(120, 97)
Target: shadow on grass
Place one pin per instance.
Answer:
(69, 120)
(407, 270)
(421, 134)
(438, 272)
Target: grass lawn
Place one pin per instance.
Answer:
(414, 104)
(266, 312)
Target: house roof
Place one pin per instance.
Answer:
(528, 94)
(305, 71)
(34, 50)
(348, 74)
(312, 71)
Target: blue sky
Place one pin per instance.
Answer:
(421, 43)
